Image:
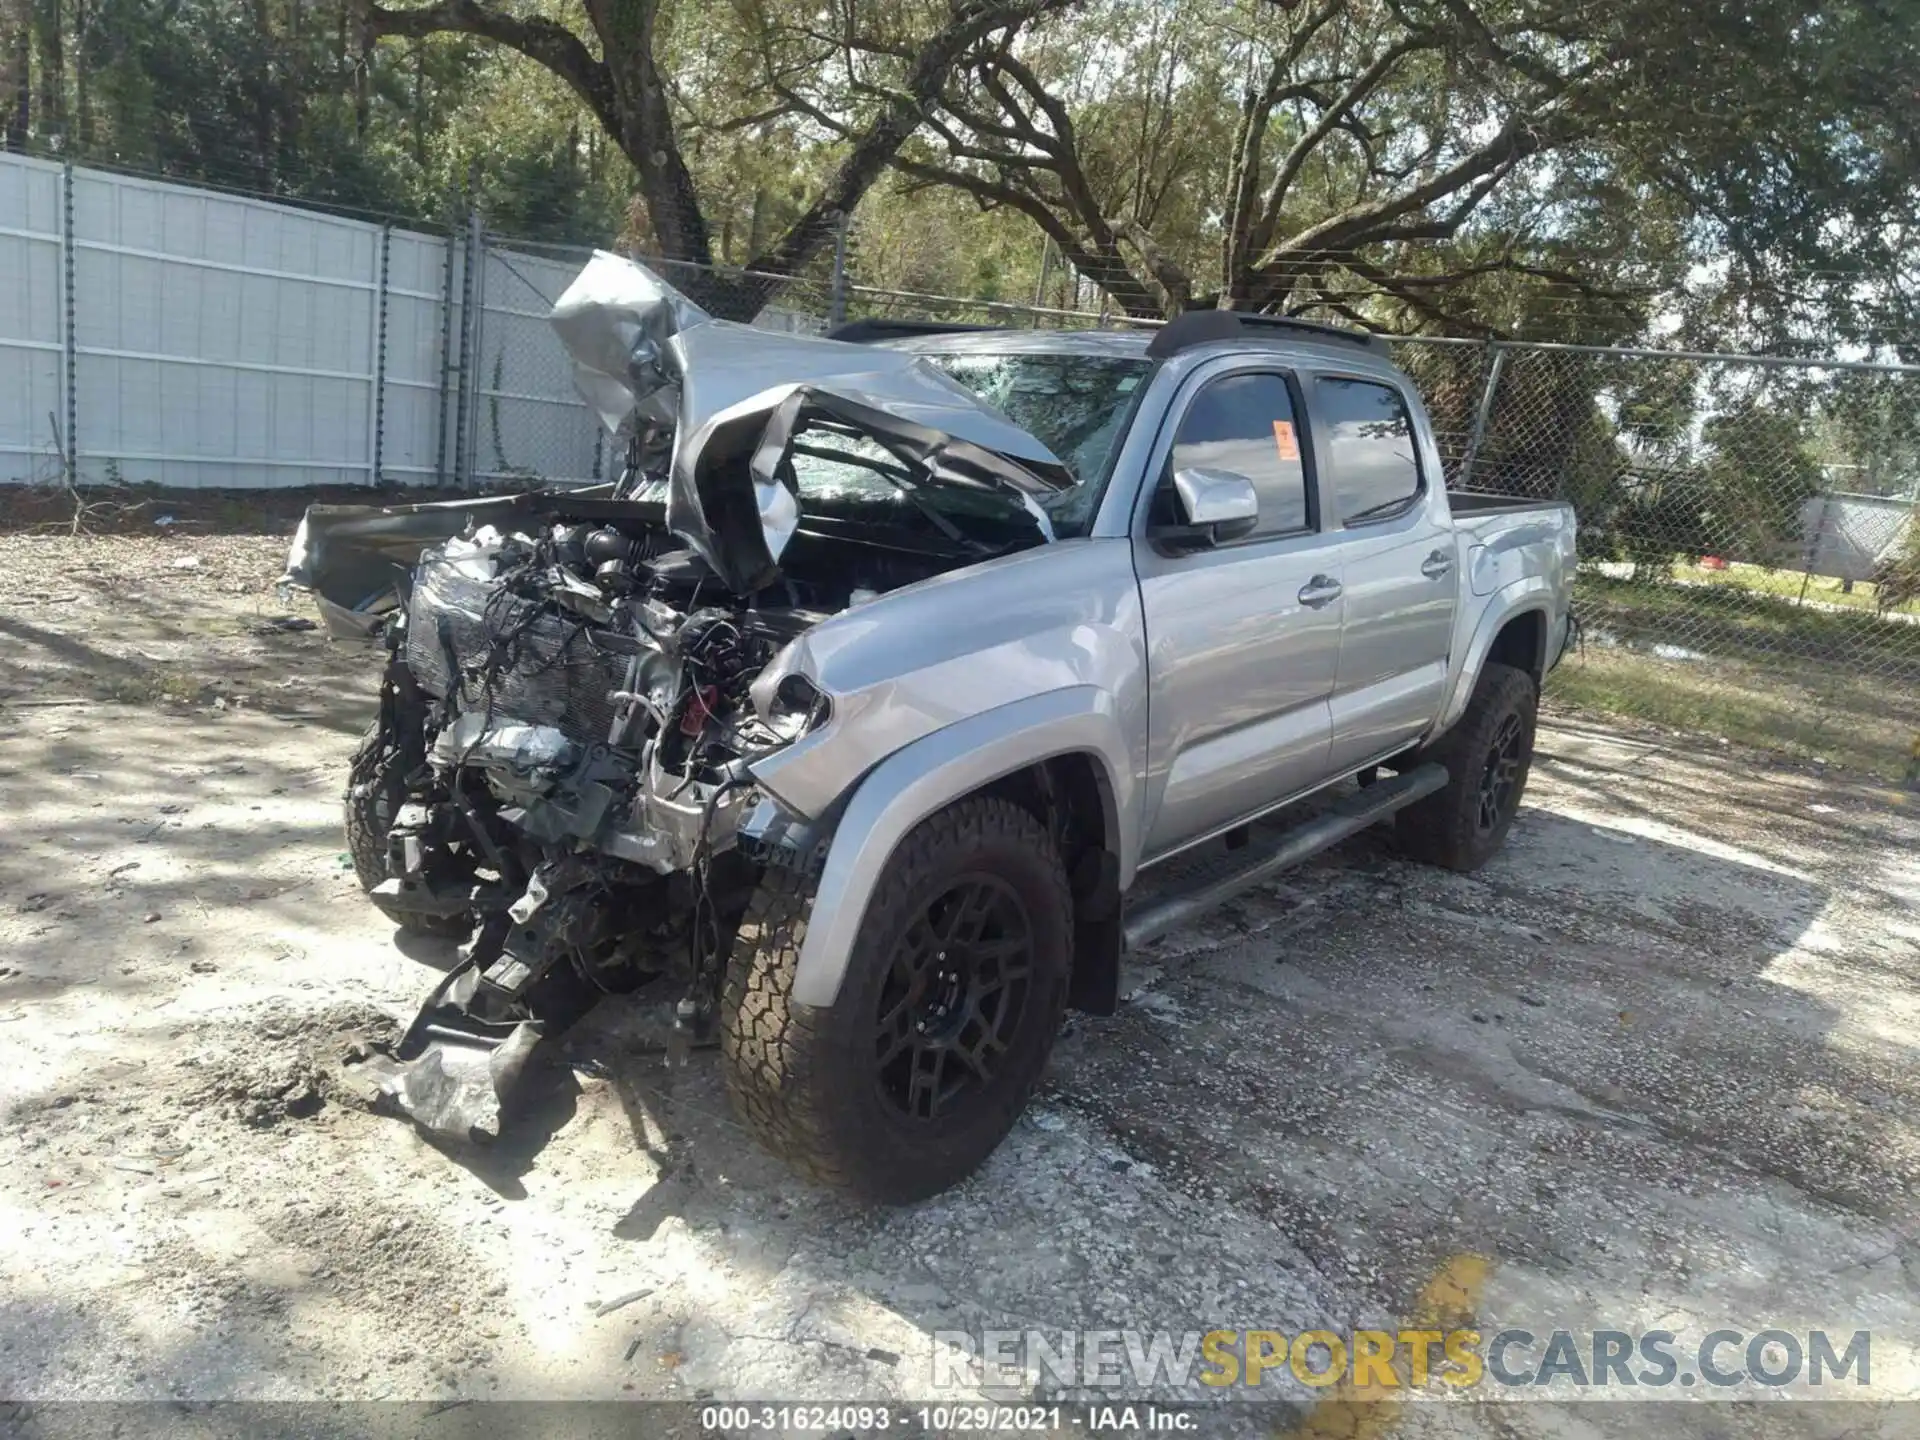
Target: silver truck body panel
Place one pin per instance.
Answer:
(1207, 686)
(918, 660)
(1257, 698)
(927, 775)
(718, 383)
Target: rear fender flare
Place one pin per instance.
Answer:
(936, 770)
(1533, 593)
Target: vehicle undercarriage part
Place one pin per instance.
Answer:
(529, 971)
(573, 747)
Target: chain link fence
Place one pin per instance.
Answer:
(1729, 505)
(1749, 548)
(1749, 540)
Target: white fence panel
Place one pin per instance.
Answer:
(220, 341)
(418, 412)
(527, 420)
(32, 336)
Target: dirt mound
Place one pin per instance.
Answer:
(284, 1066)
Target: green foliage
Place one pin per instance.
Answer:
(1721, 174)
(1757, 475)
(1868, 434)
(1653, 519)
(279, 97)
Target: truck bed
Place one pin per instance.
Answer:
(1484, 502)
(1507, 522)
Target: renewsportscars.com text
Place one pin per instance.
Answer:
(1385, 1360)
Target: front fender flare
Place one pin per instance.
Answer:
(932, 772)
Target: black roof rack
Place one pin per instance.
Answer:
(871, 332)
(1203, 327)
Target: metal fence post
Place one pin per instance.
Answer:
(837, 295)
(70, 443)
(374, 476)
(1046, 271)
(476, 366)
(440, 476)
(463, 380)
(1483, 414)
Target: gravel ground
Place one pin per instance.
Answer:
(1652, 1067)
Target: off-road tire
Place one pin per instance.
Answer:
(1446, 828)
(804, 1079)
(375, 790)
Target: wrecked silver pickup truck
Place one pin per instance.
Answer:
(854, 707)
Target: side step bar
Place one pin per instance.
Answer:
(1218, 880)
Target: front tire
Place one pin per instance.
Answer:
(944, 1020)
(376, 788)
(1488, 754)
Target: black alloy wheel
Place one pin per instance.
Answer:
(946, 1013)
(1487, 754)
(954, 997)
(1500, 776)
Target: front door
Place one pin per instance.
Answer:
(1243, 640)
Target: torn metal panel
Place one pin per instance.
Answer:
(457, 1088)
(615, 320)
(352, 557)
(453, 1073)
(640, 349)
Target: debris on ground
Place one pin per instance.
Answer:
(1693, 1094)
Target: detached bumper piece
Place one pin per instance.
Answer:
(453, 1075)
(462, 1063)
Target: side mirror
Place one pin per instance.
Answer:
(1211, 507)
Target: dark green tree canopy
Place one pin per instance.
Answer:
(1721, 173)
(1441, 163)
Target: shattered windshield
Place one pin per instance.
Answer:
(855, 477)
(1076, 405)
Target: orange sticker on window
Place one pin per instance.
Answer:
(1283, 437)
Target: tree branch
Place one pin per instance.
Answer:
(1175, 281)
(876, 146)
(1256, 110)
(1412, 297)
(1330, 119)
(1372, 221)
(1107, 269)
(542, 41)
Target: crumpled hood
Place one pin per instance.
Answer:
(737, 396)
(352, 557)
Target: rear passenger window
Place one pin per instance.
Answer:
(1245, 423)
(1370, 456)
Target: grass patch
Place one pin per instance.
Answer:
(1839, 720)
(1783, 583)
(1732, 620)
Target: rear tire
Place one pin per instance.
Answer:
(376, 787)
(944, 1020)
(1488, 754)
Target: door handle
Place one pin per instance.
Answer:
(1320, 590)
(1437, 565)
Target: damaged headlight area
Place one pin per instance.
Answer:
(569, 730)
(581, 684)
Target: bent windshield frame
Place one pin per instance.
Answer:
(1078, 406)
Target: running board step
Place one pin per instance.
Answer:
(1211, 884)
